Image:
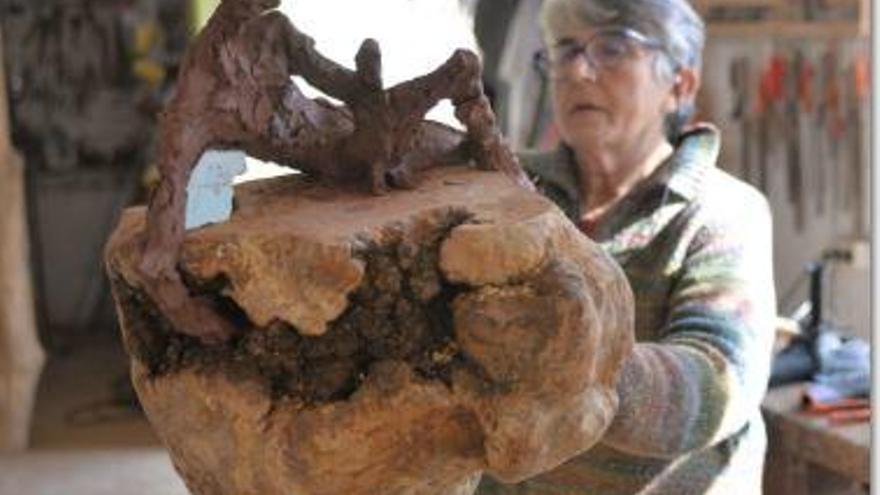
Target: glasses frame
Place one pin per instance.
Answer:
(543, 64)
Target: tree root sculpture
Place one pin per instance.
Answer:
(378, 324)
(396, 345)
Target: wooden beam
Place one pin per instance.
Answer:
(5, 129)
(21, 356)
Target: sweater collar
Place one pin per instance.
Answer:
(683, 172)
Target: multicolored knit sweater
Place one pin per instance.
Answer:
(696, 246)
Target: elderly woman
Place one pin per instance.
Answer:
(694, 242)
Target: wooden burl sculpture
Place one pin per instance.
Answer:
(376, 324)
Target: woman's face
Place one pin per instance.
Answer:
(615, 102)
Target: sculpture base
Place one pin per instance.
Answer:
(397, 344)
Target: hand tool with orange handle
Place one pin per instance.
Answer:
(771, 90)
(837, 410)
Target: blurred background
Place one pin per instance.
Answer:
(82, 82)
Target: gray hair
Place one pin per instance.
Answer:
(673, 23)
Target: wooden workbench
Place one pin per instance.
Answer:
(808, 456)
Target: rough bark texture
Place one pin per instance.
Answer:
(21, 355)
(396, 344)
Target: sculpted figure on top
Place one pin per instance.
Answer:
(235, 91)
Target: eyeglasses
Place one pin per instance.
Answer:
(604, 50)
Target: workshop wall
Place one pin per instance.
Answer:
(794, 115)
(788, 83)
(86, 79)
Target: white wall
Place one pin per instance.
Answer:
(415, 36)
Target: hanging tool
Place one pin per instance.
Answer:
(740, 84)
(771, 91)
(794, 173)
(812, 164)
(831, 117)
(818, 153)
(861, 94)
(798, 103)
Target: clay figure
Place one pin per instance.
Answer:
(235, 90)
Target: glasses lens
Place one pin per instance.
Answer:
(608, 50)
(604, 50)
(565, 53)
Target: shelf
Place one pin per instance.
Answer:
(786, 19)
(788, 29)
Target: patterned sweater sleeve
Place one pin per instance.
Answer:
(705, 378)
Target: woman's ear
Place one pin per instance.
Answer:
(685, 87)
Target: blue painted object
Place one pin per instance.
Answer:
(209, 193)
